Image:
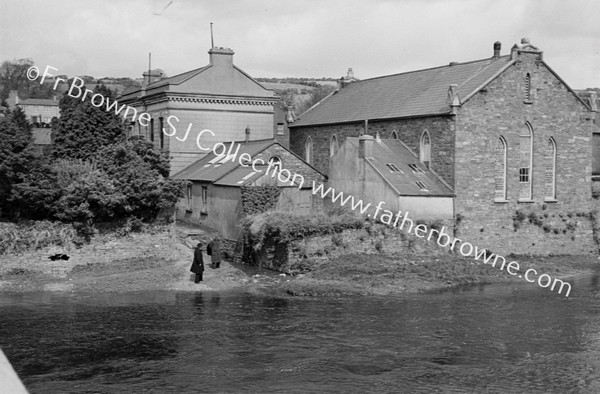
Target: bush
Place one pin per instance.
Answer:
(18, 238)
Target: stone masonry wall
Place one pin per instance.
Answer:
(542, 227)
(376, 238)
(291, 163)
(440, 128)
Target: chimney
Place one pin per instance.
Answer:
(365, 146)
(593, 100)
(221, 57)
(247, 134)
(497, 47)
(13, 99)
(453, 98)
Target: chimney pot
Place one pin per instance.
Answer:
(497, 47)
(525, 40)
(247, 134)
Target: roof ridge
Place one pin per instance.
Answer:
(454, 64)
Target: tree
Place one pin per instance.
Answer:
(13, 76)
(140, 172)
(83, 129)
(16, 154)
(316, 95)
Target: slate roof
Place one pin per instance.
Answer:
(209, 169)
(34, 101)
(415, 93)
(404, 180)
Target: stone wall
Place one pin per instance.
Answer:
(562, 226)
(374, 238)
(440, 128)
(259, 199)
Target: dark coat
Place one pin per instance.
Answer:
(215, 251)
(198, 264)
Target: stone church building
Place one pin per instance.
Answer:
(509, 137)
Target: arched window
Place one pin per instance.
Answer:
(526, 163)
(308, 150)
(377, 136)
(425, 149)
(500, 170)
(550, 170)
(275, 163)
(527, 87)
(394, 135)
(333, 145)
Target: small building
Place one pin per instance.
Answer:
(39, 112)
(219, 97)
(387, 171)
(256, 176)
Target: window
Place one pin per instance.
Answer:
(526, 163)
(528, 87)
(308, 150)
(422, 186)
(394, 135)
(415, 168)
(333, 145)
(392, 167)
(152, 129)
(275, 162)
(425, 149)
(550, 170)
(377, 136)
(500, 170)
(161, 123)
(204, 199)
(280, 130)
(188, 195)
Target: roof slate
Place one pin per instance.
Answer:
(395, 152)
(415, 93)
(203, 170)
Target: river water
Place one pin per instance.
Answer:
(514, 338)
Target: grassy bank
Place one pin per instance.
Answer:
(366, 274)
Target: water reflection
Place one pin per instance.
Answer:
(499, 338)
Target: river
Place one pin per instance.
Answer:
(506, 338)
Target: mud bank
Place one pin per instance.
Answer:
(161, 261)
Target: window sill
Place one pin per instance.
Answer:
(501, 201)
(525, 201)
(551, 200)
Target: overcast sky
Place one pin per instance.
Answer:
(297, 38)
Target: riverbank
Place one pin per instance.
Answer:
(160, 260)
(376, 274)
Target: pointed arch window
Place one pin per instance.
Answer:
(333, 145)
(425, 149)
(308, 150)
(550, 171)
(394, 135)
(500, 170)
(528, 88)
(526, 163)
(377, 136)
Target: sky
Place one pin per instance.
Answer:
(297, 38)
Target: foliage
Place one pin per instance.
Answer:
(282, 227)
(13, 76)
(16, 154)
(18, 238)
(82, 129)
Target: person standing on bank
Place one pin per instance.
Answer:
(198, 264)
(214, 249)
